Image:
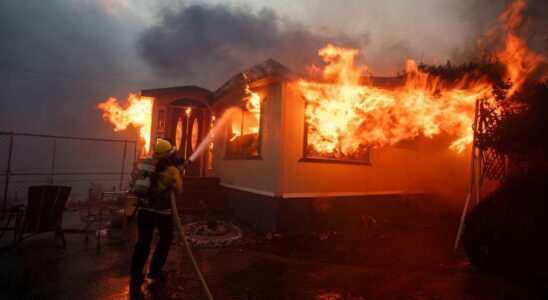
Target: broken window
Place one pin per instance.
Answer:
(243, 132)
(323, 142)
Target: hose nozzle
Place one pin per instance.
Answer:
(184, 165)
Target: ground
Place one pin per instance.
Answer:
(401, 258)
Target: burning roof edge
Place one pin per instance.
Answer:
(268, 68)
(384, 82)
(271, 68)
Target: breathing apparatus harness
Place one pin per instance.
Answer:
(145, 186)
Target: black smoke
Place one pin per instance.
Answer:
(60, 58)
(209, 43)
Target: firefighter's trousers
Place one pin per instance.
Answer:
(146, 222)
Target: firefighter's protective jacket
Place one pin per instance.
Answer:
(168, 180)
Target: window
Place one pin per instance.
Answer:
(179, 133)
(210, 149)
(324, 143)
(243, 131)
(161, 121)
(194, 138)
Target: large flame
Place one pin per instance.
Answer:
(519, 61)
(137, 112)
(344, 116)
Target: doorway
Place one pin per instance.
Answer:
(187, 133)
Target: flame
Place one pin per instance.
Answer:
(344, 116)
(137, 112)
(518, 59)
(253, 103)
(251, 115)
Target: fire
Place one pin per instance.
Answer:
(518, 59)
(251, 115)
(137, 112)
(253, 103)
(344, 116)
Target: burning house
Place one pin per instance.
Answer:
(295, 151)
(276, 168)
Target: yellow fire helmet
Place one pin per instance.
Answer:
(163, 149)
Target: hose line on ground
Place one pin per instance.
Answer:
(187, 247)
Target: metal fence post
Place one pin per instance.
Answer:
(123, 165)
(53, 161)
(100, 222)
(7, 181)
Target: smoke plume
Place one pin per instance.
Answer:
(59, 59)
(210, 43)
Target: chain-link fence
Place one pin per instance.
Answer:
(82, 163)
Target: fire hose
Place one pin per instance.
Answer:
(182, 235)
(187, 247)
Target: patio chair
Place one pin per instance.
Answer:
(43, 213)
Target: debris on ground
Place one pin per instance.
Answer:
(324, 235)
(368, 222)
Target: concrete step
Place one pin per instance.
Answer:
(220, 207)
(199, 200)
(203, 189)
(202, 194)
(201, 181)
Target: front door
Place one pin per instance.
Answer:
(187, 132)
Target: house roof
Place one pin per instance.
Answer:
(176, 89)
(267, 68)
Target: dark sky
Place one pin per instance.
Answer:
(59, 58)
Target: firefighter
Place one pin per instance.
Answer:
(156, 212)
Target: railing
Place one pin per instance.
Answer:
(81, 162)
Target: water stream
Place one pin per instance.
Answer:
(213, 132)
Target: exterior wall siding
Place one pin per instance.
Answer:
(430, 168)
(255, 174)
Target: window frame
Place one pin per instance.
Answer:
(307, 158)
(259, 156)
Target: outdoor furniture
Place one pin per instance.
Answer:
(105, 220)
(43, 213)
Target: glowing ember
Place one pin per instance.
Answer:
(137, 112)
(344, 116)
